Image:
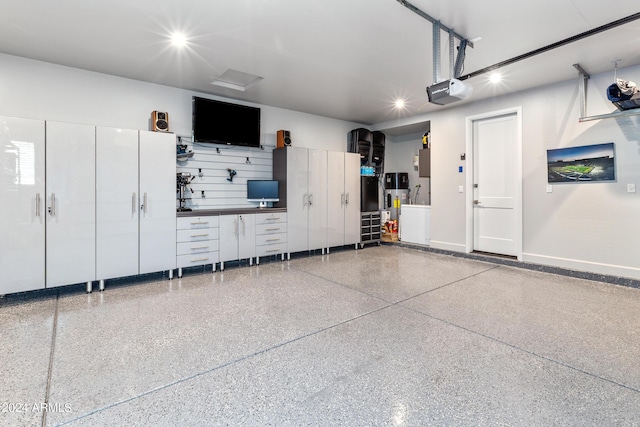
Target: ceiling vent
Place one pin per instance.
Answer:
(236, 80)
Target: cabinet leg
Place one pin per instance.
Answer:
(170, 274)
(89, 287)
(101, 285)
(250, 262)
(221, 266)
(179, 273)
(288, 256)
(213, 267)
(257, 260)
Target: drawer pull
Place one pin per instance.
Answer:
(199, 259)
(200, 235)
(272, 229)
(273, 219)
(273, 250)
(200, 223)
(272, 240)
(195, 248)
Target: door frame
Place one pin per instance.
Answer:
(469, 175)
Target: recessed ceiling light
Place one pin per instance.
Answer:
(399, 104)
(475, 39)
(178, 39)
(495, 77)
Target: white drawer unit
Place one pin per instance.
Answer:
(271, 234)
(197, 241)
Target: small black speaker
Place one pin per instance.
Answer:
(160, 121)
(283, 138)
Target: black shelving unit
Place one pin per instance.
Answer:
(370, 228)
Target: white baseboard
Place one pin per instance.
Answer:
(585, 266)
(447, 246)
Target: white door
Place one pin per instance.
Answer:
(71, 215)
(229, 229)
(496, 170)
(336, 198)
(352, 198)
(116, 203)
(22, 231)
(246, 236)
(297, 199)
(317, 199)
(157, 189)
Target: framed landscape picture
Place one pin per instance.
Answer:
(587, 163)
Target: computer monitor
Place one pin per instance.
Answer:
(262, 191)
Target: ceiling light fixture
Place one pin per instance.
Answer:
(178, 39)
(495, 78)
(399, 104)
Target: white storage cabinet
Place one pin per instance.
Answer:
(271, 234)
(197, 242)
(237, 238)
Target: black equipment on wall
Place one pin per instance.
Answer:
(370, 146)
(160, 121)
(283, 138)
(377, 151)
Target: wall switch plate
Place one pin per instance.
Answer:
(460, 189)
(549, 188)
(631, 188)
(460, 169)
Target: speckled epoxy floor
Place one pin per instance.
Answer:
(380, 336)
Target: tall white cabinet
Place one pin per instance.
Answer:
(343, 204)
(157, 175)
(70, 201)
(82, 203)
(302, 175)
(136, 214)
(22, 216)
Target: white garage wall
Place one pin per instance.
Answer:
(592, 227)
(40, 90)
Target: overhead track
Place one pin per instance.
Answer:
(560, 43)
(454, 68)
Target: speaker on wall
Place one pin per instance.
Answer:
(283, 138)
(160, 121)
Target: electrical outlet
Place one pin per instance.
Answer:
(549, 188)
(460, 189)
(631, 188)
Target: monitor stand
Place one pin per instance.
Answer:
(262, 205)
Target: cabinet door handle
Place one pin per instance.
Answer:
(310, 199)
(144, 203)
(37, 204)
(305, 196)
(235, 227)
(133, 203)
(52, 208)
(244, 228)
(346, 199)
(342, 199)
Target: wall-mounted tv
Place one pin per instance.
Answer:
(225, 123)
(262, 191)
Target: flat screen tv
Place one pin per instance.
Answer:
(225, 123)
(262, 191)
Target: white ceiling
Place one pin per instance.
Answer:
(347, 59)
